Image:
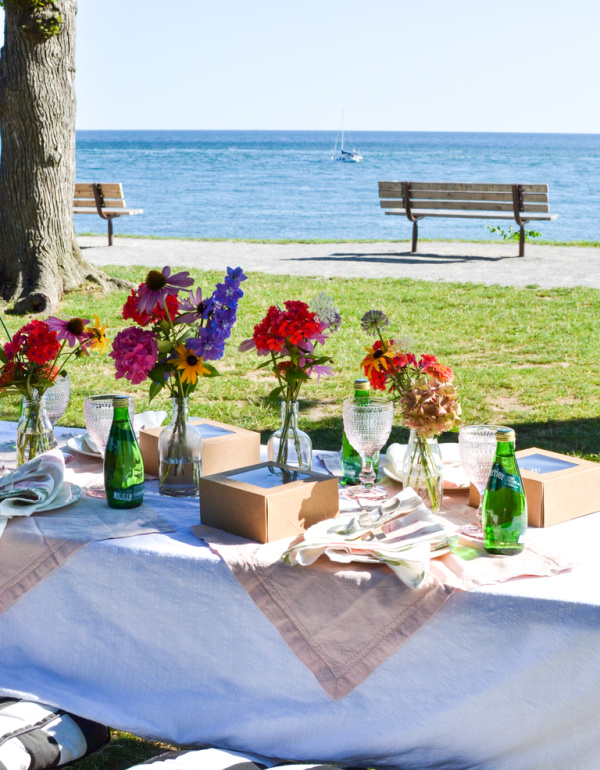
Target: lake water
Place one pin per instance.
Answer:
(283, 184)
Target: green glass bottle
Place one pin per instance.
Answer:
(351, 462)
(123, 464)
(504, 511)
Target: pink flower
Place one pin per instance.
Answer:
(73, 330)
(135, 353)
(159, 285)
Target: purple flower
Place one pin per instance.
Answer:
(159, 285)
(135, 353)
(73, 330)
(194, 307)
(228, 293)
(236, 275)
(208, 345)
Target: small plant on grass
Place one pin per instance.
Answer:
(511, 233)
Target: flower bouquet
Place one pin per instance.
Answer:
(289, 338)
(172, 344)
(427, 397)
(32, 360)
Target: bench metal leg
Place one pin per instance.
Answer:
(415, 237)
(522, 241)
(110, 231)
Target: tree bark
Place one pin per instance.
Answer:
(40, 258)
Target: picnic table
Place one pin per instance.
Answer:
(154, 635)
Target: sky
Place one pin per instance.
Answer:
(391, 65)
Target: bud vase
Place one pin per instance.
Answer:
(423, 469)
(289, 445)
(34, 429)
(179, 454)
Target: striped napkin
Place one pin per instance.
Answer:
(402, 534)
(31, 487)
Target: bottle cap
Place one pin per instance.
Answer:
(361, 384)
(505, 434)
(120, 401)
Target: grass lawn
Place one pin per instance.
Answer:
(526, 357)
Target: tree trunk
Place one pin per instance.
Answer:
(39, 254)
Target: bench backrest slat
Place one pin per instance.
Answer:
(109, 190)
(112, 196)
(464, 187)
(464, 196)
(540, 208)
(90, 203)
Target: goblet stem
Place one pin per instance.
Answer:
(367, 474)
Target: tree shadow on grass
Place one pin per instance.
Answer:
(405, 258)
(578, 436)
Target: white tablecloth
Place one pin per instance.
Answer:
(155, 636)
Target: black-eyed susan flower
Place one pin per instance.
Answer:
(189, 364)
(99, 339)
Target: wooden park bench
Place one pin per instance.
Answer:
(471, 200)
(106, 200)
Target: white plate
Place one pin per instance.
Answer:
(68, 494)
(388, 472)
(79, 445)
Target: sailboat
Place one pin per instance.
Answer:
(346, 156)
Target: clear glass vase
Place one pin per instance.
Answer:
(423, 469)
(289, 445)
(34, 429)
(179, 454)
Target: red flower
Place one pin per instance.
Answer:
(440, 372)
(130, 309)
(377, 379)
(39, 344)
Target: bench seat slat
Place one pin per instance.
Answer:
(464, 206)
(465, 196)
(120, 212)
(449, 215)
(463, 186)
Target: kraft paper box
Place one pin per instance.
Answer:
(267, 501)
(558, 487)
(223, 446)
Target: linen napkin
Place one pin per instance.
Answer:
(454, 474)
(145, 420)
(31, 487)
(401, 534)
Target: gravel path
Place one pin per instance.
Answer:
(547, 266)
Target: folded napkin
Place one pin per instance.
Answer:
(454, 474)
(31, 487)
(401, 534)
(145, 420)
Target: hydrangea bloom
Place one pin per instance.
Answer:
(135, 353)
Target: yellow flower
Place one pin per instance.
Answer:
(190, 364)
(376, 360)
(100, 340)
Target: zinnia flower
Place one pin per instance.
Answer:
(135, 353)
(189, 364)
(100, 341)
(159, 285)
(73, 330)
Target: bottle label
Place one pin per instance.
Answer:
(130, 495)
(500, 478)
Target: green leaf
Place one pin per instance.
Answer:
(154, 390)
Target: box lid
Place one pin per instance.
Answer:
(267, 479)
